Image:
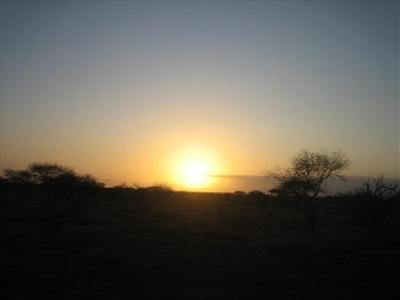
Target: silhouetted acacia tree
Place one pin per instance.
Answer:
(307, 172)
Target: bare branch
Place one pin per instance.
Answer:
(309, 170)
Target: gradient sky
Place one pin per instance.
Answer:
(124, 90)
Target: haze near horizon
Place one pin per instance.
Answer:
(190, 94)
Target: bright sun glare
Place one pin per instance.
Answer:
(193, 171)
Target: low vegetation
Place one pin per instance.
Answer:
(156, 243)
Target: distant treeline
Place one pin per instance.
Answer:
(47, 185)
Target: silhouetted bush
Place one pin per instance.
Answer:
(13, 176)
(256, 195)
(239, 195)
(372, 203)
(155, 191)
(53, 179)
(124, 186)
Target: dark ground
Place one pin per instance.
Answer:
(130, 244)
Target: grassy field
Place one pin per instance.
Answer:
(156, 244)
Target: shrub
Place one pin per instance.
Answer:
(372, 203)
(53, 178)
(256, 195)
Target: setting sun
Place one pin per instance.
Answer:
(193, 170)
(195, 174)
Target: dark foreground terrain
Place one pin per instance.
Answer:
(157, 244)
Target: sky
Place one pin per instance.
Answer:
(135, 91)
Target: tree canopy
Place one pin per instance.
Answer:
(308, 170)
(50, 174)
